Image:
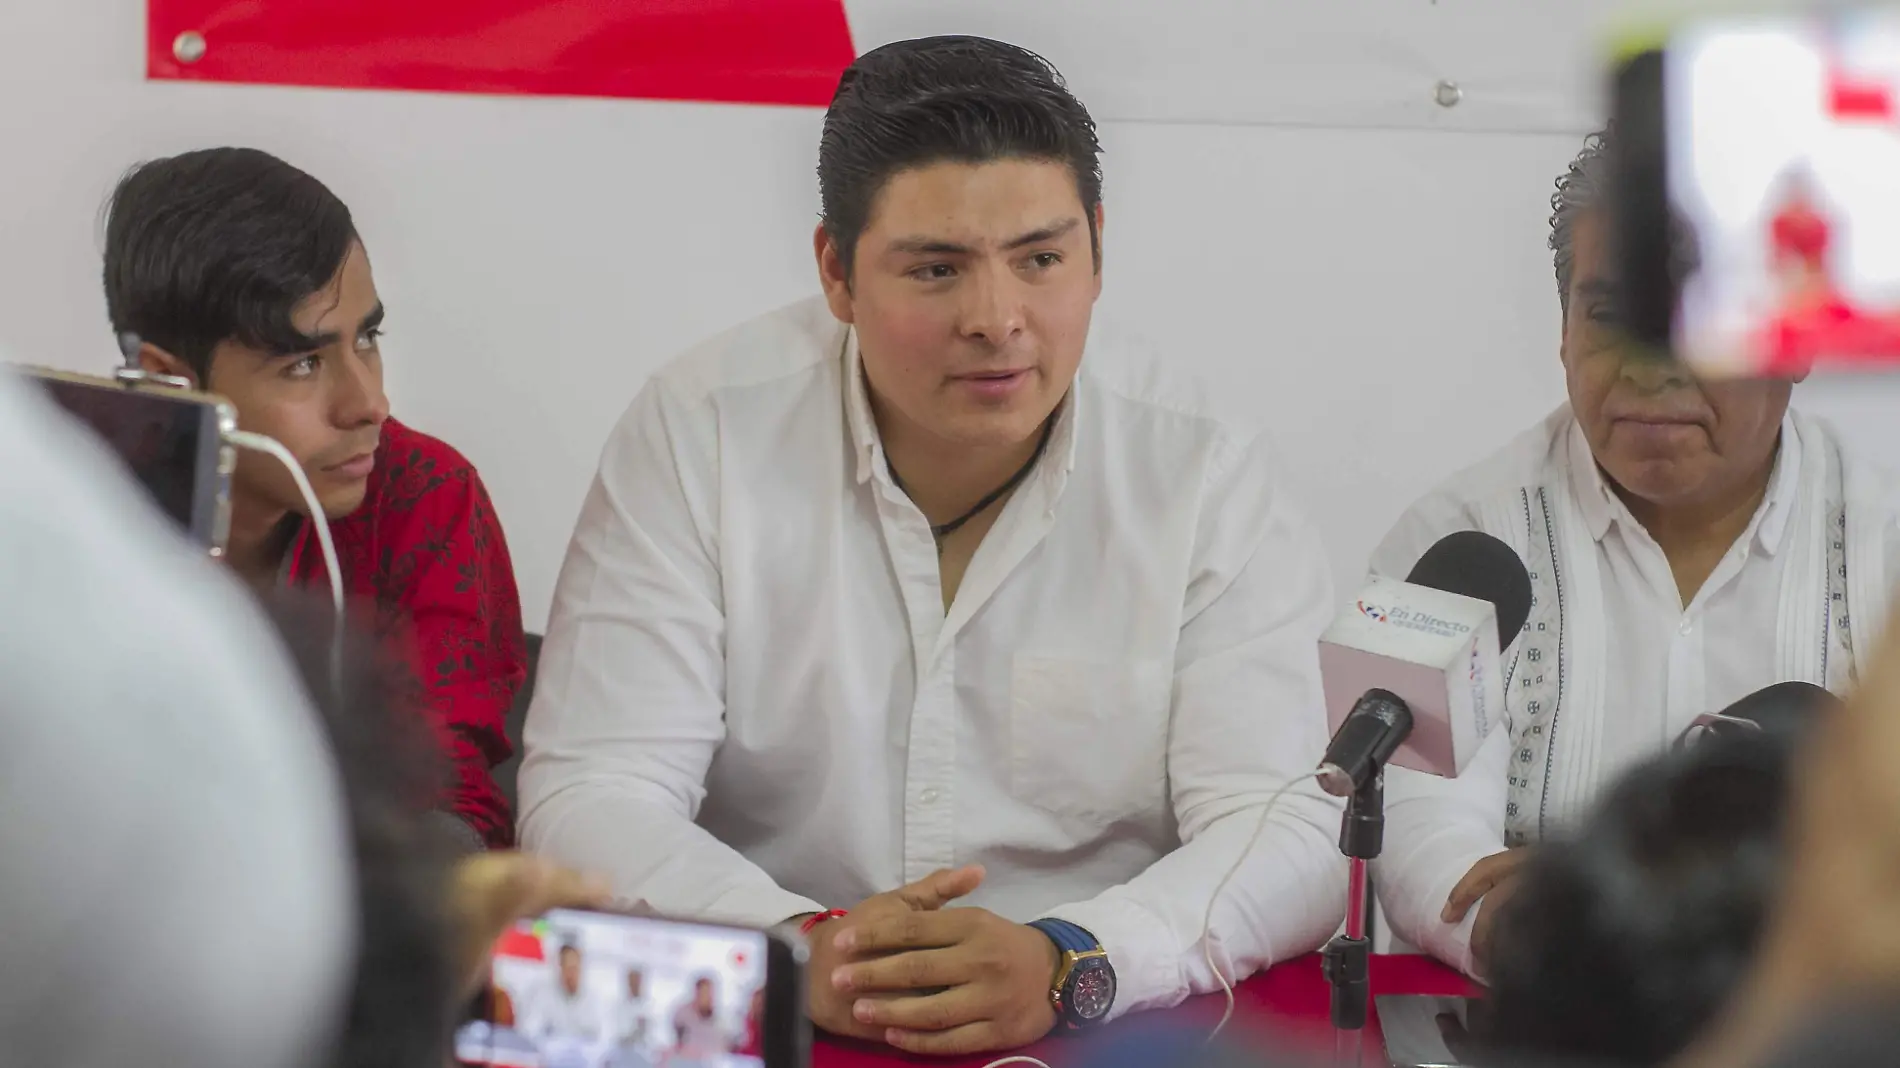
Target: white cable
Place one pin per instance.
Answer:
(1207, 921)
(245, 439)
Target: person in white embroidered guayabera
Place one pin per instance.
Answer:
(1688, 543)
(897, 598)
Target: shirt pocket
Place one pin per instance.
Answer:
(1089, 739)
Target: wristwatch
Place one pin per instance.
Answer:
(1084, 986)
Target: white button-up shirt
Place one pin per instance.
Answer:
(1668, 663)
(1672, 663)
(584, 1017)
(752, 703)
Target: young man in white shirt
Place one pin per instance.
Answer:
(898, 583)
(630, 1016)
(565, 1009)
(1688, 543)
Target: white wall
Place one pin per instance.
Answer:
(1364, 265)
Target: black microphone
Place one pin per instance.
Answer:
(1375, 728)
(1469, 563)
(1781, 712)
(1477, 565)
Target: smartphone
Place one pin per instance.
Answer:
(172, 440)
(576, 989)
(1759, 231)
(1425, 1032)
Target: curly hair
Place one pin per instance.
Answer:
(1579, 190)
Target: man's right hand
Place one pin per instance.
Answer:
(830, 1008)
(1485, 886)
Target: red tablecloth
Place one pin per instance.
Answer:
(1291, 998)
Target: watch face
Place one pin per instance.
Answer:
(1091, 989)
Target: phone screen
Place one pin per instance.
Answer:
(1425, 1032)
(1782, 159)
(599, 990)
(159, 438)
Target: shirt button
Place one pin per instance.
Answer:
(929, 797)
(1687, 628)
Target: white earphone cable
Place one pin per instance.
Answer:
(1207, 921)
(245, 439)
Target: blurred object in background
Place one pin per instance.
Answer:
(1788, 711)
(175, 874)
(1761, 234)
(1827, 977)
(403, 993)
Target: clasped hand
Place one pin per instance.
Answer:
(1487, 886)
(903, 969)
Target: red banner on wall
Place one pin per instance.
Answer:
(736, 51)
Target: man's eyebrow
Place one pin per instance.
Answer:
(370, 322)
(1046, 233)
(927, 246)
(1597, 287)
(919, 245)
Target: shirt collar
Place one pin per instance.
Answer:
(857, 410)
(869, 447)
(1601, 506)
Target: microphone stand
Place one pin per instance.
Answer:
(1346, 959)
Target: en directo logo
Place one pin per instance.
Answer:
(1372, 612)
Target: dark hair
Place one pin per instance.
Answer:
(1623, 941)
(947, 99)
(218, 245)
(400, 1006)
(568, 947)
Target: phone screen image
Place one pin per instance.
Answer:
(1782, 158)
(598, 990)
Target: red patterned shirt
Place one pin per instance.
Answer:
(426, 550)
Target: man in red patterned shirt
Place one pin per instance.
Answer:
(245, 276)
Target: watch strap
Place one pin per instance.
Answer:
(1068, 937)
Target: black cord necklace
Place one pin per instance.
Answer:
(944, 530)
